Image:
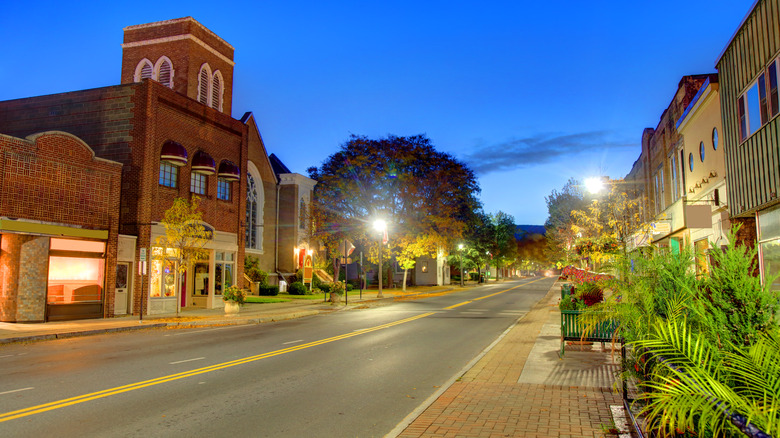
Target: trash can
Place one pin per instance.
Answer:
(282, 286)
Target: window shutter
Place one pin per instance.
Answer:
(165, 74)
(203, 91)
(146, 71)
(216, 92)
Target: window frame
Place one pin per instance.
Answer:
(224, 189)
(199, 181)
(764, 89)
(701, 151)
(158, 68)
(714, 138)
(172, 176)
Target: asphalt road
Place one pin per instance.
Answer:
(356, 373)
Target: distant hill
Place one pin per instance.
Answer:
(524, 230)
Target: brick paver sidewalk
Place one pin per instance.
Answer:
(488, 401)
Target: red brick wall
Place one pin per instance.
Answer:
(186, 55)
(54, 177)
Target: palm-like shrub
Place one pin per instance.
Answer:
(694, 386)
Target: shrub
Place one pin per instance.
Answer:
(590, 293)
(235, 294)
(336, 288)
(325, 287)
(267, 290)
(297, 288)
(570, 303)
(253, 271)
(349, 287)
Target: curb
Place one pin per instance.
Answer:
(209, 322)
(75, 334)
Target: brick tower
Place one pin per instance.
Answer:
(184, 55)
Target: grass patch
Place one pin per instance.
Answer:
(265, 300)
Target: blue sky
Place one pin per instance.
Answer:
(529, 94)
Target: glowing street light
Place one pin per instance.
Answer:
(594, 185)
(380, 226)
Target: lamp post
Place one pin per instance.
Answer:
(380, 226)
(460, 248)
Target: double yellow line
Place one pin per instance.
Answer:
(491, 295)
(146, 383)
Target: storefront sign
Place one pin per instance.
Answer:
(307, 269)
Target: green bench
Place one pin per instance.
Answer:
(572, 330)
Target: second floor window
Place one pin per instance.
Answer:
(223, 189)
(198, 183)
(168, 174)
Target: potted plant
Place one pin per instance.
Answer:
(234, 297)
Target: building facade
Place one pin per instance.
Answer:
(748, 69)
(54, 256)
(703, 181)
(169, 124)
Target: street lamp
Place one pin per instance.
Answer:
(380, 226)
(594, 185)
(460, 248)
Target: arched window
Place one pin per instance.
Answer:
(204, 84)
(163, 71)
(143, 70)
(302, 215)
(216, 91)
(255, 203)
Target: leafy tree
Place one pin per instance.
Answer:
(416, 189)
(604, 228)
(413, 247)
(185, 235)
(561, 238)
(505, 243)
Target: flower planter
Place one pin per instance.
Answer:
(231, 308)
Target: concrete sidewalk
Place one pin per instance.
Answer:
(251, 313)
(520, 388)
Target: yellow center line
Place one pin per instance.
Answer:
(146, 383)
(492, 295)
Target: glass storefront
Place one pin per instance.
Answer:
(163, 275)
(769, 244)
(76, 271)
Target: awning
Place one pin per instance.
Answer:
(228, 171)
(203, 163)
(174, 153)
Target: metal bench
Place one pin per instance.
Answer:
(572, 330)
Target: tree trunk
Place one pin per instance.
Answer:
(404, 286)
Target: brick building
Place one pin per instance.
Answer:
(58, 228)
(169, 124)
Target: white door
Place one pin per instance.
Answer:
(121, 288)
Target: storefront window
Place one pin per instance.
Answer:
(770, 261)
(702, 249)
(76, 271)
(223, 271)
(163, 275)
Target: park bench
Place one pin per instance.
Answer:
(572, 330)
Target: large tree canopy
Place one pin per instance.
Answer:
(419, 191)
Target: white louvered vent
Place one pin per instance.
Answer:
(216, 92)
(165, 74)
(203, 86)
(146, 71)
